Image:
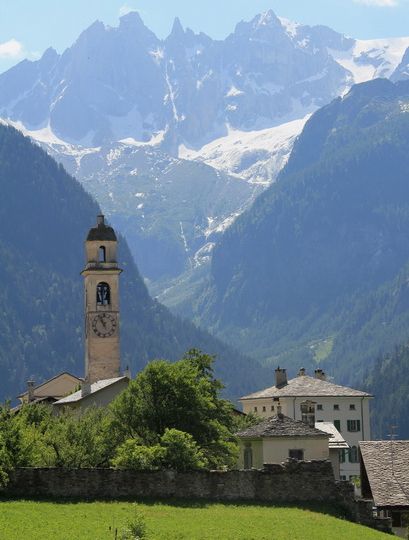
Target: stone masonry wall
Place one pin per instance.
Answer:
(288, 482)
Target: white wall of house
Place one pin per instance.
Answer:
(328, 409)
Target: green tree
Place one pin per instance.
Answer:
(184, 396)
(80, 440)
(181, 452)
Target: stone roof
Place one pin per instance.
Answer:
(95, 387)
(305, 386)
(336, 440)
(281, 426)
(387, 468)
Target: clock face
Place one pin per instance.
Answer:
(104, 325)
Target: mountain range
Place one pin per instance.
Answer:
(135, 118)
(45, 215)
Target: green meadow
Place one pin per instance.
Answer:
(173, 520)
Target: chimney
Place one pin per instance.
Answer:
(319, 374)
(301, 372)
(30, 390)
(85, 387)
(281, 377)
(127, 373)
(100, 220)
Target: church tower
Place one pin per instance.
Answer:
(101, 281)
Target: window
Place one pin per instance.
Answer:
(102, 254)
(248, 456)
(353, 425)
(343, 477)
(319, 407)
(103, 294)
(296, 453)
(352, 407)
(336, 407)
(308, 413)
(353, 454)
(337, 424)
(264, 409)
(255, 409)
(342, 456)
(272, 407)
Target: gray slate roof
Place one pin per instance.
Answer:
(305, 386)
(281, 426)
(389, 484)
(95, 387)
(336, 440)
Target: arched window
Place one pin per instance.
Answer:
(103, 294)
(248, 456)
(353, 454)
(102, 254)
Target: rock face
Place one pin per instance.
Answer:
(116, 83)
(401, 73)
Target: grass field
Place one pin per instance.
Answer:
(37, 520)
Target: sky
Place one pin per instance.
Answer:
(29, 27)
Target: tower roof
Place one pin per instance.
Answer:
(101, 232)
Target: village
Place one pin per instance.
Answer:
(311, 434)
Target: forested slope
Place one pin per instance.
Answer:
(44, 218)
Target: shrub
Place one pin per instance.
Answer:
(181, 451)
(132, 455)
(135, 529)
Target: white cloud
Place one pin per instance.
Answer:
(378, 3)
(11, 49)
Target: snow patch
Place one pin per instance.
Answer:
(256, 156)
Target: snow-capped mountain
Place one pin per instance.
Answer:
(152, 127)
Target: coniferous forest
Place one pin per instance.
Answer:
(45, 216)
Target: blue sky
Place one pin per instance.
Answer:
(28, 27)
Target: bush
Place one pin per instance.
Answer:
(132, 455)
(181, 451)
(135, 529)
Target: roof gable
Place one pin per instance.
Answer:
(57, 386)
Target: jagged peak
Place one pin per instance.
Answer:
(131, 19)
(267, 18)
(49, 54)
(177, 28)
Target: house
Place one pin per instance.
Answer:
(385, 480)
(51, 390)
(314, 399)
(278, 438)
(97, 394)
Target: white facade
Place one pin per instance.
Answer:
(349, 413)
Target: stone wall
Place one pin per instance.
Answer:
(288, 482)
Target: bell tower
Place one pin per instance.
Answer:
(101, 283)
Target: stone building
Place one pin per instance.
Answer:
(314, 399)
